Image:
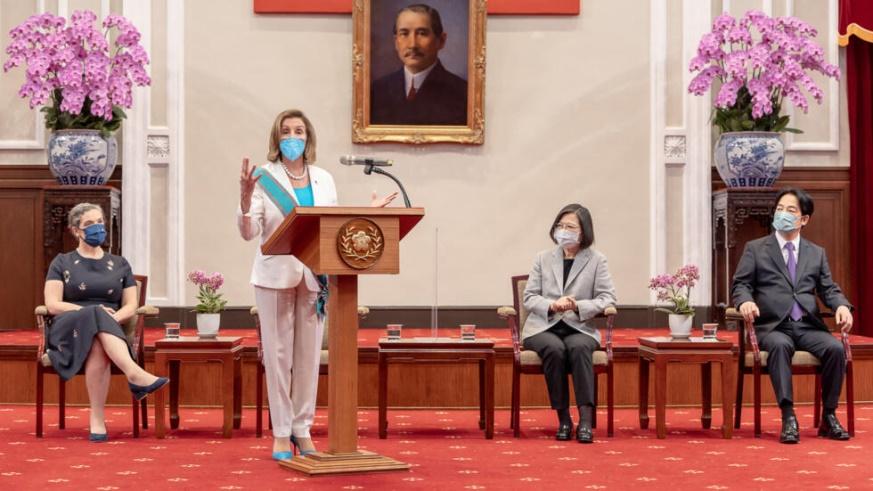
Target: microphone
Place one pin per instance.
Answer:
(358, 160)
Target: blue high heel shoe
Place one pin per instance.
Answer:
(297, 448)
(287, 455)
(98, 437)
(141, 391)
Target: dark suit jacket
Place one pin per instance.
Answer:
(762, 277)
(441, 99)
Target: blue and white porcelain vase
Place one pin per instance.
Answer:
(80, 157)
(749, 159)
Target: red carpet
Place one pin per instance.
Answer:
(446, 452)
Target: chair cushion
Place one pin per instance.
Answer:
(800, 358)
(531, 358)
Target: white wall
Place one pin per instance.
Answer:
(573, 114)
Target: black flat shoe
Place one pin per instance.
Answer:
(790, 433)
(141, 391)
(584, 434)
(564, 432)
(831, 428)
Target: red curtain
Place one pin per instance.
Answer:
(856, 32)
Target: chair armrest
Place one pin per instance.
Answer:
(41, 312)
(512, 324)
(610, 313)
(506, 312)
(148, 311)
(733, 314)
(844, 336)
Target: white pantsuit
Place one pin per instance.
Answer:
(285, 293)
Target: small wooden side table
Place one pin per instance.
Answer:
(663, 350)
(227, 350)
(440, 350)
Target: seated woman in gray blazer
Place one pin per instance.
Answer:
(567, 286)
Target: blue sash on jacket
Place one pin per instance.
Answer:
(283, 200)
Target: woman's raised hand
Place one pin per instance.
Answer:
(247, 181)
(378, 202)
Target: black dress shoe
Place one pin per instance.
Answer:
(831, 428)
(564, 432)
(584, 434)
(790, 433)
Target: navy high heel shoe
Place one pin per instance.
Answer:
(98, 437)
(141, 391)
(297, 448)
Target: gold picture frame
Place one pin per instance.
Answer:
(364, 131)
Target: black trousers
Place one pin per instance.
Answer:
(781, 343)
(565, 350)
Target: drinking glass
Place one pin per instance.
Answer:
(171, 330)
(393, 332)
(468, 332)
(709, 331)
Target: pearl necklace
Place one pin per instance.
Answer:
(292, 176)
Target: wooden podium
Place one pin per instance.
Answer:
(344, 242)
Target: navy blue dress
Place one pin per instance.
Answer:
(91, 283)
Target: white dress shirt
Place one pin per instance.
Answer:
(417, 78)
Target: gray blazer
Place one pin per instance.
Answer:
(762, 277)
(588, 282)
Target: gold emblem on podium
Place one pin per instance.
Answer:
(360, 243)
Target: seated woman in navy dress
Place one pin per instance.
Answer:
(91, 293)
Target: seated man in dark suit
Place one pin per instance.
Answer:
(423, 92)
(775, 286)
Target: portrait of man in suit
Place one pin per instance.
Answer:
(421, 91)
(775, 286)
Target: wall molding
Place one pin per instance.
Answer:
(686, 146)
(832, 92)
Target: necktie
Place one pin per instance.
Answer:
(411, 95)
(796, 313)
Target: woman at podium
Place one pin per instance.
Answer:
(568, 285)
(289, 296)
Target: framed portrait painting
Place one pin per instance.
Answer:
(419, 71)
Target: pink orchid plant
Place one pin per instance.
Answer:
(208, 284)
(759, 61)
(676, 289)
(73, 72)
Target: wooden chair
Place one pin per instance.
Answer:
(529, 362)
(133, 330)
(753, 361)
(259, 377)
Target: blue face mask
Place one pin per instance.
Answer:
(784, 221)
(95, 234)
(292, 148)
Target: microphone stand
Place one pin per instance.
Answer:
(370, 168)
